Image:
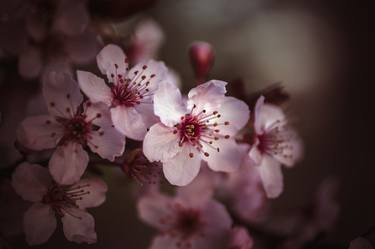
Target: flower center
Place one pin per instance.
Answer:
(201, 130)
(188, 221)
(62, 198)
(276, 140)
(133, 89)
(76, 129)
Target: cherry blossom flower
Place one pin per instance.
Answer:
(51, 200)
(201, 128)
(70, 126)
(129, 93)
(275, 143)
(145, 42)
(190, 220)
(240, 239)
(202, 59)
(244, 192)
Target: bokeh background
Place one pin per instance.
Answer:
(319, 50)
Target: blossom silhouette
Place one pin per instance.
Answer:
(70, 126)
(129, 94)
(275, 143)
(201, 128)
(51, 200)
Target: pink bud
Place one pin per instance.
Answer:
(240, 239)
(202, 59)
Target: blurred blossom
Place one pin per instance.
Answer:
(128, 94)
(50, 200)
(240, 239)
(138, 168)
(189, 220)
(275, 143)
(145, 41)
(202, 59)
(244, 191)
(360, 243)
(68, 128)
(40, 32)
(201, 128)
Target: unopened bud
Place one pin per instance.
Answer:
(202, 59)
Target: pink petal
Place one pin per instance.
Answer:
(293, 148)
(255, 154)
(79, 226)
(96, 189)
(168, 103)
(94, 87)
(130, 122)
(153, 208)
(234, 111)
(271, 175)
(161, 137)
(266, 115)
(68, 163)
(62, 94)
(151, 71)
(39, 224)
(165, 242)
(72, 17)
(182, 168)
(40, 132)
(108, 142)
(111, 60)
(31, 181)
(97, 113)
(212, 88)
(30, 63)
(240, 238)
(229, 157)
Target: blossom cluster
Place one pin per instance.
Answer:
(222, 156)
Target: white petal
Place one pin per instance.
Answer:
(68, 163)
(79, 226)
(109, 143)
(98, 114)
(160, 144)
(39, 223)
(130, 122)
(40, 132)
(271, 175)
(234, 111)
(182, 168)
(62, 94)
(229, 157)
(153, 208)
(152, 72)
(96, 189)
(112, 61)
(266, 115)
(255, 154)
(168, 103)
(210, 88)
(31, 181)
(94, 87)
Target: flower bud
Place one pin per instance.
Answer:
(202, 59)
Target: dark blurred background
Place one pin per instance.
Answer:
(320, 50)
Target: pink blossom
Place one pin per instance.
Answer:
(70, 126)
(201, 128)
(360, 243)
(202, 58)
(185, 221)
(145, 42)
(244, 192)
(240, 239)
(275, 143)
(129, 93)
(50, 200)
